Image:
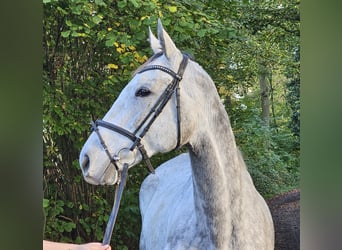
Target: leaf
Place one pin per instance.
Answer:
(100, 3)
(96, 19)
(172, 9)
(135, 3)
(69, 226)
(122, 4)
(68, 22)
(62, 10)
(45, 203)
(65, 33)
(201, 33)
(60, 203)
(78, 34)
(112, 66)
(110, 42)
(99, 235)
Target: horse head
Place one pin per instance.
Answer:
(145, 118)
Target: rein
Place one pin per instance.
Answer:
(117, 198)
(144, 126)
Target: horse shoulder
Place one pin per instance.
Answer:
(162, 216)
(256, 218)
(166, 179)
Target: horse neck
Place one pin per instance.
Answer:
(216, 166)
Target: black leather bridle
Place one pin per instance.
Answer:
(136, 137)
(152, 115)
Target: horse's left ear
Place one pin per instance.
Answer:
(168, 46)
(154, 42)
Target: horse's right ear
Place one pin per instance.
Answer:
(154, 42)
(168, 46)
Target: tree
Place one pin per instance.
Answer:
(259, 62)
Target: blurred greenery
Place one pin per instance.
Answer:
(90, 49)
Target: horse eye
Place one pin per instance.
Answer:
(143, 92)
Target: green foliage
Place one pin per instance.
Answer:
(57, 223)
(293, 99)
(91, 49)
(267, 153)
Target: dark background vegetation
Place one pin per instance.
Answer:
(90, 48)
(21, 125)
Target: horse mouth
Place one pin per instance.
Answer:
(107, 177)
(93, 181)
(103, 180)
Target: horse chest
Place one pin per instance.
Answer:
(171, 223)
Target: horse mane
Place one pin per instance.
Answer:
(155, 56)
(151, 59)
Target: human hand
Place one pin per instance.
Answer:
(93, 246)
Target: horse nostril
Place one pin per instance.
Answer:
(85, 163)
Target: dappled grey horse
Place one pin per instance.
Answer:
(203, 199)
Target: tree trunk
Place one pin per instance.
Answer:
(264, 97)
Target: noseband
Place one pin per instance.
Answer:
(146, 123)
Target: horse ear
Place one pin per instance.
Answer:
(169, 48)
(154, 42)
